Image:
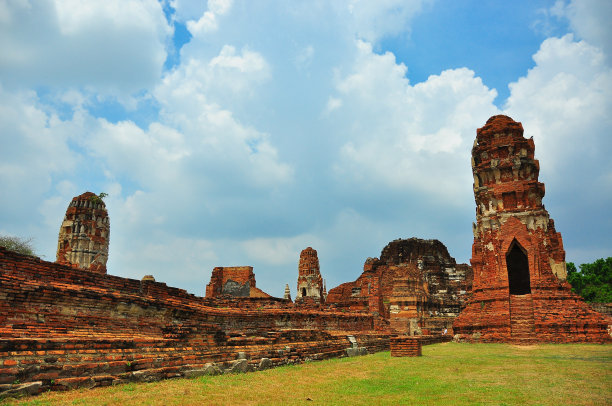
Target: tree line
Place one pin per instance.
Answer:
(593, 281)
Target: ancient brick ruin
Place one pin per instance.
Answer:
(63, 328)
(405, 346)
(415, 287)
(310, 282)
(84, 234)
(519, 290)
(237, 281)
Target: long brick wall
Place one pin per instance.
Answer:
(62, 328)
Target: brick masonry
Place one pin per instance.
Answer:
(236, 281)
(310, 283)
(416, 287)
(62, 328)
(519, 291)
(84, 234)
(405, 346)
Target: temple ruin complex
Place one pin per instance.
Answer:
(68, 324)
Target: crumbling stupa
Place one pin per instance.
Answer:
(236, 281)
(84, 234)
(415, 286)
(310, 282)
(519, 289)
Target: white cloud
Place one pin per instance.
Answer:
(564, 102)
(208, 20)
(405, 136)
(114, 46)
(220, 7)
(590, 20)
(188, 97)
(245, 63)
(34, 151)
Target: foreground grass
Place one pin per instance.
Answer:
(448, 374)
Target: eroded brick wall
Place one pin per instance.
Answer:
(66, 328)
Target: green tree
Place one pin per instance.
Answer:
(98, 198)
(16, 244)
(594, 281)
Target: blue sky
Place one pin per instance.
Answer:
(239, 132)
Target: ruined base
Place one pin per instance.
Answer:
(554, 315)
(405, 346)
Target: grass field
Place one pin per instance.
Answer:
(446, 374)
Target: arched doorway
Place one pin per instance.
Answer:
(518, 270)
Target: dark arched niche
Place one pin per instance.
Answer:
(518, 270)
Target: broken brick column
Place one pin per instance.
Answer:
(519, 288)
(84, 234)
(405, 346)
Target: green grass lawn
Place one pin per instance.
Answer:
(446, 374)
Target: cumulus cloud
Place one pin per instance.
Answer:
(34, 152)
(406, 136)
(110, 46)
(208, 20)
(590, 20)
(566, 97)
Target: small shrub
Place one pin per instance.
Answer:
(18, 245)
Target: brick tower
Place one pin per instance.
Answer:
(310, 283)
(519, 289)
(84, 234)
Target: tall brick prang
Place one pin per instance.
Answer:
(519, 289)
(310, 282)
(84, 234)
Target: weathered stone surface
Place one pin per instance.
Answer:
(356, 351)
(240, 366)
(519, 290)
(310, 282)
(265, 363)
(84, 234)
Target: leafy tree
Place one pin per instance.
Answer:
(16, 244)
(594, 281)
